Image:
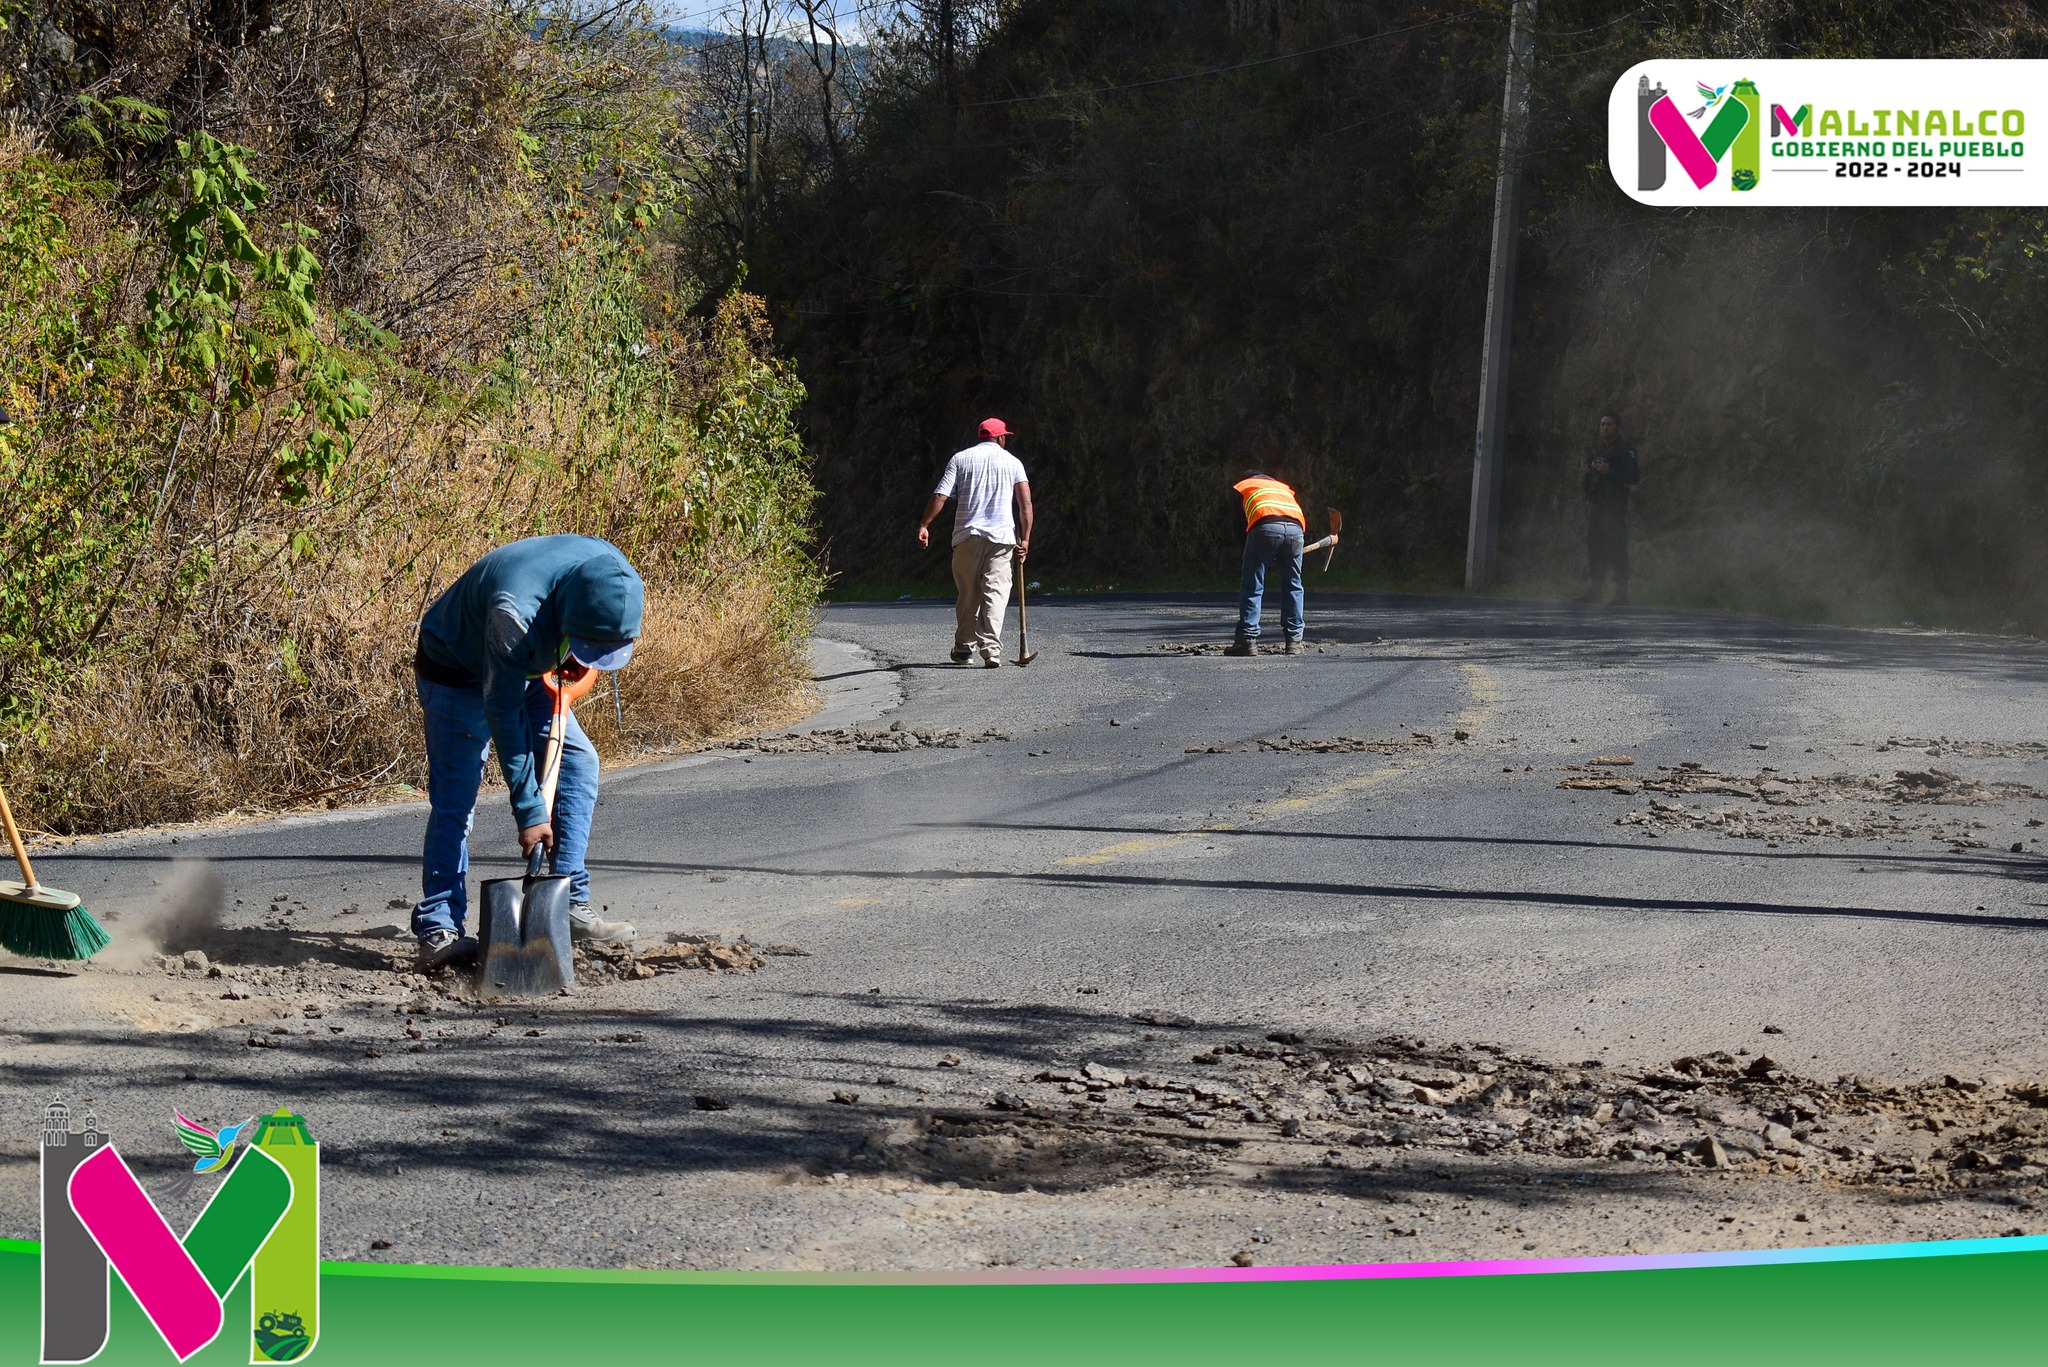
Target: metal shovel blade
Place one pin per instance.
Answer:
(523, 941)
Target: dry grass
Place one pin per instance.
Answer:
(136, 742)
(708, 664)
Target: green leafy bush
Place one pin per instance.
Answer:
(232, 491)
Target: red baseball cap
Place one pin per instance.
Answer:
(993, 427)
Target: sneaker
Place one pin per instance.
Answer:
(961, 657)
(1241, 648)
(584, 925)
(1292, 646)
(991, 662)
(438, 947)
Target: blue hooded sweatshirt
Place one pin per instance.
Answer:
(509, 618)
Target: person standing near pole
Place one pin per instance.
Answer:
(1272, 539)
(1611, 471)
(991, 536)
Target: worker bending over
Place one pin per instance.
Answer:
(567, 603)
(1272, 539)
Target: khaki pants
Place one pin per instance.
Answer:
(981, 572)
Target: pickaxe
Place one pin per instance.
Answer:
(1024, 656)
(1328, 545)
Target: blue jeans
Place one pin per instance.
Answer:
(458, 738)
(1276, 544)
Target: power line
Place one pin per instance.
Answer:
(1221, 70)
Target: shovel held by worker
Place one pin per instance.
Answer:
(1328, 545)
(523, 949)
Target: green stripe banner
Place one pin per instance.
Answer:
(1976, 1300)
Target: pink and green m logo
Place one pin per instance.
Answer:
(262, 1221)
(1734, 133)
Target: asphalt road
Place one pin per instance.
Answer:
(1128, 850)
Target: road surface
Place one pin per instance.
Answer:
(1160, 851)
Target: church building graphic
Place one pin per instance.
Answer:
(74, 1269)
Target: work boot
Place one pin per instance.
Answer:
(438, 947)
(1292, 646)
(1241, 648)
(584, 925)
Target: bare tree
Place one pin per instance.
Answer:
(822, 47)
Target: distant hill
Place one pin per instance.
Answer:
(779, 48)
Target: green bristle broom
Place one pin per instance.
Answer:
(38, 922)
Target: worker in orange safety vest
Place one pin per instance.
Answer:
(1273, 527)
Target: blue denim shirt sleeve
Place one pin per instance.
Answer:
(508, 663)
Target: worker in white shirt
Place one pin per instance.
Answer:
(991, 536)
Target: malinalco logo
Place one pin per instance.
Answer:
(1710, 132)
(263, 1220)
(1666, 133)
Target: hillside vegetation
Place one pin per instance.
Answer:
(1166, 241)
(308, 306)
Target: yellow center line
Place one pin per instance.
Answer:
(1482, 693)
(1142, 845)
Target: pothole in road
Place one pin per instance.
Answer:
(1283, 1103)
(1315, 647)
(1773, 805)
(840, 739)
(1336, 745)
(1968, 749)
(301, 984)
(1016, 1154)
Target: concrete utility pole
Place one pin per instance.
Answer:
(752, 175)
(1482, 538)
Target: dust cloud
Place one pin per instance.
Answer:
(173, 917)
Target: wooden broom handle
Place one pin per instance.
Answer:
(28, 873)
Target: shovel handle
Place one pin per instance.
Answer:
(551, 769)
(551, 766)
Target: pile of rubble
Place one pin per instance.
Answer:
(1344, 745)
(191, 962)
(896, 737)
(1864, 805)
(1330, 745)
(1271, 647)
(679, 954)
(1738, 1112)
(1968, 749)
